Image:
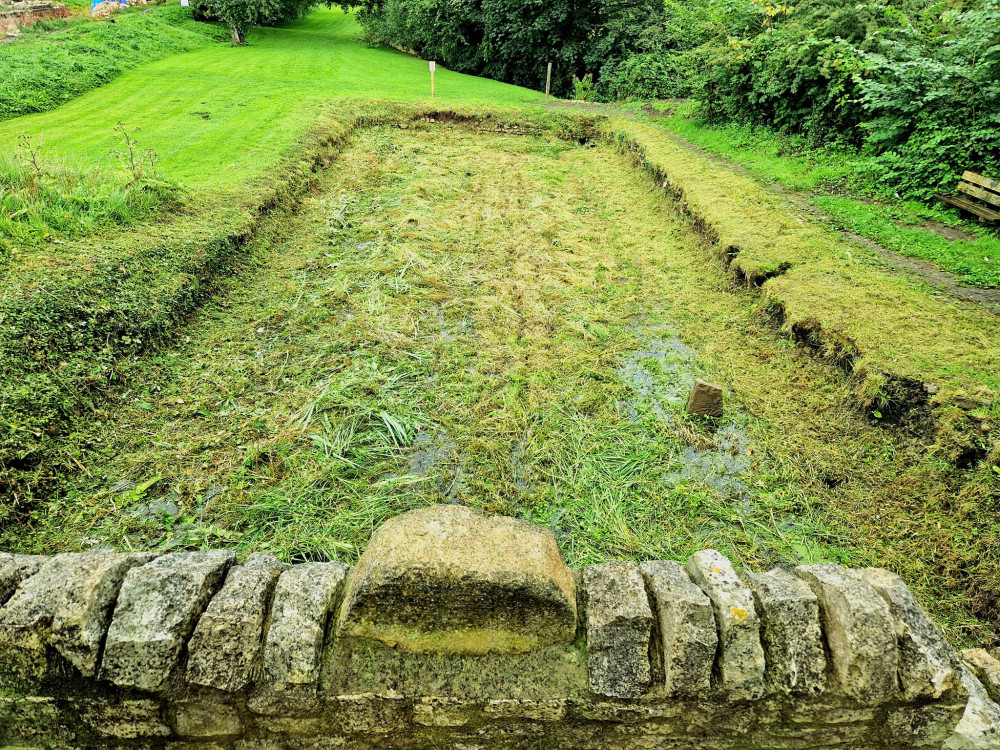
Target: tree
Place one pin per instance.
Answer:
(241, 15)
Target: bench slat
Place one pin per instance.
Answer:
(978, 179)
(978, 192)
(990, 217)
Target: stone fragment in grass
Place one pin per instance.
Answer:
(303, 599)
(225, 649)
(705, 399)
(687, 627)
(791, 634)
(66, 605)
(157, 609)
(927, 665)
(619, 628)
(14, 569)
(986, 667)
(859, 631)
(741, 656)
(447, 579)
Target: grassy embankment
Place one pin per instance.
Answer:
(836, 184)
(53, 62)
(243, 131)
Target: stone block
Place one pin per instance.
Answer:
(303, 599)
(619, 628)
(541, 710)
(442, 712)
(741, 656)
(157, 609)
(65, 605)
(920, 727)
(371, 713)
(127, 719)
(986, 668)
(979, 727)
(34, 717)
(860, 632)
(705, 399)
(197, 719)
(928, 668)
(447, 579)
(687, 628)
(225, 649)
(791, 633)
(14, 569)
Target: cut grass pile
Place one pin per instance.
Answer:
(509, 322)
(851, 201)
(56, 61)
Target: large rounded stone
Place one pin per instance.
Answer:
(446, 579)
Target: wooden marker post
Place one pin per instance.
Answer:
(433, 66)
(548, 81)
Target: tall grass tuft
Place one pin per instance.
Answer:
(43, 198)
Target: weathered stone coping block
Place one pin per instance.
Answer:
(451, 580)
(619, 627)
(741, 656)
(224, 652)
(157, 608)
(792, 636)
(194, 657)
(688, 638)
(860, 632)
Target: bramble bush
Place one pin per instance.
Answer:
(914, 85)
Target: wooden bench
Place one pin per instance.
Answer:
(976, 186)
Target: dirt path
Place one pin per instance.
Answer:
(802, 202)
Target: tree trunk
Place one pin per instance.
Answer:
(238, 38)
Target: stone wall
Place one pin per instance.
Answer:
(465, 632)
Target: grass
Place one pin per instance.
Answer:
(41, 199)
(53, 62)
(220, 116)
(509, 322)
(504, 321)
(835, 180)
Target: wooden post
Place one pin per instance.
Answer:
(548, 81)
(433, 66)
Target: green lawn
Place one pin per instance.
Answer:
(836, 182)
(220, 115)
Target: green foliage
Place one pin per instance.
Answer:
(583, 88)
(241, 15)
(914, 86)
(42, 70)
(932, 101)
(512, 40)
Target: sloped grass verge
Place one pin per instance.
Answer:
(918, 360)
(43, 69)
(73, 316)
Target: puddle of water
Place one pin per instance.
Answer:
(661, 374)
(436, 454)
